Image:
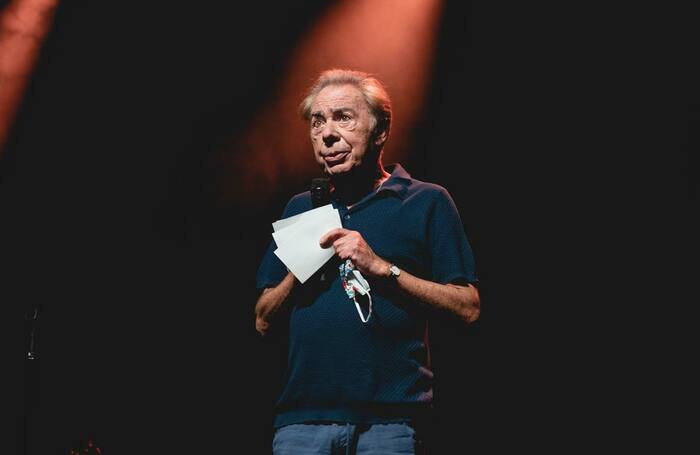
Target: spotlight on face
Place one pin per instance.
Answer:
(341, 128)
(392, 40)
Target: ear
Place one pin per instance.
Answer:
(380, 138)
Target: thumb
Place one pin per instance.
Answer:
(331, 236)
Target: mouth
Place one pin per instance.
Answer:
(335, 158)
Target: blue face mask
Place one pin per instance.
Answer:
(354, 282)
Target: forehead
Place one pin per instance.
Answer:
(335, 97)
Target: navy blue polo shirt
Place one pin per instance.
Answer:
(341, 369)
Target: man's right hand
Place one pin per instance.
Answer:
(270, 301)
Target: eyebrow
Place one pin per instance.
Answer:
(341, 109)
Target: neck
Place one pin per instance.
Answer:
(352, 187)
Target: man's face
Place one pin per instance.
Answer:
(341, 127)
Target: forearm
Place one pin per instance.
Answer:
(270, 301)
(460, 301)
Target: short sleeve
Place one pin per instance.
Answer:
(271, 270)
(451, 257)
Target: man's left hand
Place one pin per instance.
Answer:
(350, 245)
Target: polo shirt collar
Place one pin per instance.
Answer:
(398, 181)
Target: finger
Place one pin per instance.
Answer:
(342, 249)
(342, 254)
(331, 236)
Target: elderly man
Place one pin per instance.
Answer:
(360, 383)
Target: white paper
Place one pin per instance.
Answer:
(298, 242)
(281, 224)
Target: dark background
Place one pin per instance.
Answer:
(538, 122)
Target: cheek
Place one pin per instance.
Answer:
(359, 144)
(316, 143)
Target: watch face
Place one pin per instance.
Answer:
(394, 270)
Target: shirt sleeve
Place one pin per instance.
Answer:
(451, 257)
(271, 270)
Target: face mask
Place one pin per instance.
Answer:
(353, 282)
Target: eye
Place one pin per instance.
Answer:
(342, 117)
(316, 123)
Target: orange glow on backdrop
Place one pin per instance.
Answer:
(23, 26)
(392, 39)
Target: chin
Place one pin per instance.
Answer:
(339, 170)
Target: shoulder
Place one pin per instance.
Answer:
(427, 190)
(430, 198)
(298, 203)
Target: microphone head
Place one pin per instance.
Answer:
(320, 191)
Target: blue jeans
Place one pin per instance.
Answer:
(345, 439)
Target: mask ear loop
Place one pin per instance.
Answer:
(357, 305)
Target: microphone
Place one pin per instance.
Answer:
(320, 192)
(320, 196)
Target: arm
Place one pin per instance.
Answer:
(270, 301)
(461, 301)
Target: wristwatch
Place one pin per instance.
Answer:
(394, 271)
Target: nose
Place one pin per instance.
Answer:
(330, 135)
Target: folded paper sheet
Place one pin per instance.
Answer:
(298, 237)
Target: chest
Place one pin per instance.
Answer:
(396, 231)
